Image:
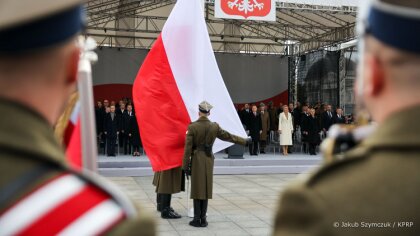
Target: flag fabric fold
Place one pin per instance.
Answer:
(179, 72)
(72, 138)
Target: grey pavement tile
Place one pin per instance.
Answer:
(219, 202)
(259, 231)
(252, 224)
(222, 225)
(197, 232)
(166, 227)
(168, 233)
(230, 232)
(237, 218)
(242, 204)
(182, 224)
(216, 218)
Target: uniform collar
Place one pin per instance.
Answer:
(203, 118)
(25, 130)
(401, 129)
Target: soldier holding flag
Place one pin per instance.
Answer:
(199, 154)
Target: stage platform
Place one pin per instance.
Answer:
(261, 164)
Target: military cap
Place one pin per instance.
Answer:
(376, 18)
(204, 107)
(262, 104)
(28, 25)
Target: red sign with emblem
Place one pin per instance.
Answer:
(245, 9)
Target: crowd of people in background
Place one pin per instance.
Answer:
(311, 121)
(118, 132)
(116, 127)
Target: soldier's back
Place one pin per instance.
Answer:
(372, 191)
(204, 131)
(40, 195)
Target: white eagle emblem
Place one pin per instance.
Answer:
(245, 5)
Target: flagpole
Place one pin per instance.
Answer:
(88, 139)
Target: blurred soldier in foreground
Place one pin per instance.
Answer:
(39, 193)
(374, 188)
(198, 154)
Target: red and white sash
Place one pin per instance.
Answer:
(66, 205)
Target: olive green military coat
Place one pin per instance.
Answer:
(202, 165)
(265, 121)
(27, 143)
(169, 181)
(376, 185)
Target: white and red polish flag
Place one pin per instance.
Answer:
(72, 138)
(179, 72)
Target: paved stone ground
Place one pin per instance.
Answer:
(241, 205)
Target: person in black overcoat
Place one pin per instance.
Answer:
(338, 117)
(133, 132)
(112, 124)
(127, 117)
(254, 130)
(303, 116)
(327, 119)
(244, 115)
(99, 121)
(311, 129)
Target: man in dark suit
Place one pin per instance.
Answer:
(99, 120)
(327, 119)
(254, 130)
(310, 130)
(304, 115)
(338, 117)
(121, 110)
(122, 136)
(244, 115)
(127, 121)
(296, 113)
(112, 126)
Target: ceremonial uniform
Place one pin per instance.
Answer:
(168, 182)
(377, 182)
(198, 150)
(44, 194)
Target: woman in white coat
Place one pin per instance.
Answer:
(285, 129)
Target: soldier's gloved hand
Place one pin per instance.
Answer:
(248, 141)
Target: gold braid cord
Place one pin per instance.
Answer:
(63, 121)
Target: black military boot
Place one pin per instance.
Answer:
(167, 213)
(196, 222)
(158, 202)
(203, 216)
(171, 209)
